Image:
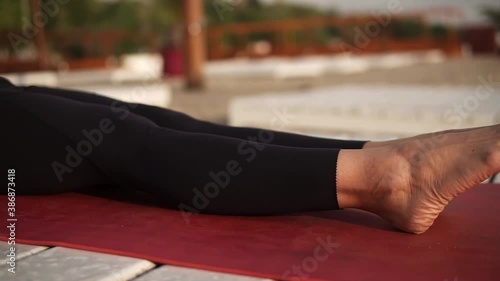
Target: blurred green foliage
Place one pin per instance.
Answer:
(131, 15)
(406, 29)
(11, 12)
(439, 31)
(493, 14)
(232, 11)
(161, 17)
(158, 16)
(149, 15)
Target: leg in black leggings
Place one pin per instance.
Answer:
(58, 144)
(182, 122)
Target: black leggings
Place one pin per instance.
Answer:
(61, 140)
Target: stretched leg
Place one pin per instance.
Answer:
(34, 149)
(408, 183)
(182, 122)
(179, 121)
(188, 171)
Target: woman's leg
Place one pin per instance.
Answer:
(408, 183)
(179, 121)
(188, 171)
(36, 150)
(182, 122)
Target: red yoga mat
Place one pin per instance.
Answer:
(463, 244)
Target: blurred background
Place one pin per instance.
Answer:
(353, 69)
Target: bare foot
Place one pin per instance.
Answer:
(411, 182)
(374, 144)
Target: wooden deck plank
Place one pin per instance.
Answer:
(60, 264)
(22, 251)
(175, 273)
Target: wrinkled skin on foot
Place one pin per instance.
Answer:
(423, 174)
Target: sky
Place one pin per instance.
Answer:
(471, 8)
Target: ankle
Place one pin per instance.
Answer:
(390, 186)
(357, 171)
(367, 179)
(350, 178)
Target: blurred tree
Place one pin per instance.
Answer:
(150, 15)
(233, 11)
(493, 15)
(118, 15)
(93, 14)
(11, 14)
(77, 14)
(439, 31)
(158, 16)
(163, 15)
(406, 29)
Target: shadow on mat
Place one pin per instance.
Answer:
(125, 195)
(350, 216)
(356, 217)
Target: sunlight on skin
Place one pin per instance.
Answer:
(410, 181)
